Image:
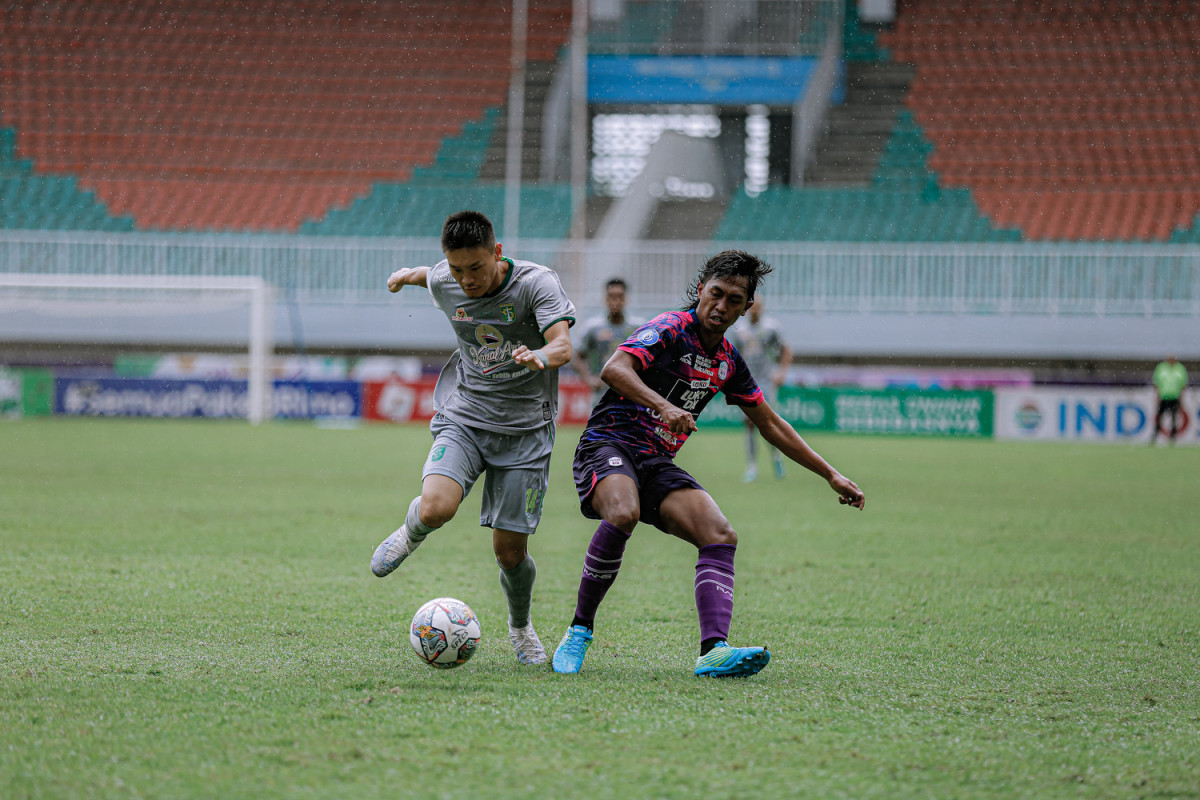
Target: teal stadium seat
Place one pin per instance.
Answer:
(905, 203)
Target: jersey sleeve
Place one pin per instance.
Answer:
(742, 389)
(653, 338)
(550, 301)
(435, 280)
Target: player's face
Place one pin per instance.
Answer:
(614, 298)
(722, 301)
(477, 270)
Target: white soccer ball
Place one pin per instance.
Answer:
(444, 632)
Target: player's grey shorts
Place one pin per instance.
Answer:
(517, 467)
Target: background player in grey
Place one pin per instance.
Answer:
(759, 340)
(600, 336)
(496, 401)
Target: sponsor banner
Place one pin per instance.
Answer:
(26, 392)
(10, 393)
(883, 411)
(1085, 414)
(163, 397)
(700, 79)
(913, 412)
(399, 400)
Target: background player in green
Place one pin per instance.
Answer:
(1170, 379)
(759, 340)
(496, 401)
(600, 335)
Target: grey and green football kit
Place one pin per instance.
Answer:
(493, 414)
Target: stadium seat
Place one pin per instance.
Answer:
(1082, 124)
(207, 99)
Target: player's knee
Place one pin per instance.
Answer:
(724, 534)
(436, 510)
(623, 516)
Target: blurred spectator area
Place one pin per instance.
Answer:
(1066, 120)
(226, 115)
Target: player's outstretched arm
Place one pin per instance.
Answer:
(621, 373)
(783, 436)
(408, 276)
(553, 354)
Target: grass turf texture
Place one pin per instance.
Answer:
(186, 609)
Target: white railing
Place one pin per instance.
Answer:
(975, 279)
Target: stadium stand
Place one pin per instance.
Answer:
(218, 115)
(1068, 121)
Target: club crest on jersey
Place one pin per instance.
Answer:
(508, 313)
(723, 370)
(460, 315)
(648, 337)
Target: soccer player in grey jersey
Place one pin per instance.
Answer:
(759, 340)
(496, 401)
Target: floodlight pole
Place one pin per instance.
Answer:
(579, 119)
(516, 125)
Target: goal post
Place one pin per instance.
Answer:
(49, 288)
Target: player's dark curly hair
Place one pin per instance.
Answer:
(467, 230)
(729, 264)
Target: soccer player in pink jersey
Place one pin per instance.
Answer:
(659, 381)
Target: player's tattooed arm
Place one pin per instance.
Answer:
(408, 276)
(621, 373)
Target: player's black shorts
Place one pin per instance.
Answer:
(1167, 405)
(655, 476)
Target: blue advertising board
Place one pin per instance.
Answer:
(732, 80)
(180, 397)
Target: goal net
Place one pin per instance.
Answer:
(146, 311)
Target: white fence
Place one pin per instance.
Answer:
(1019, 290)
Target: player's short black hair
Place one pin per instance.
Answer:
(730, 264)
(616, 282)
(467, 230)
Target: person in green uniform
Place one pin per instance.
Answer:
(1170, 379)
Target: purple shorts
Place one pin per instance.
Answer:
(655, 476)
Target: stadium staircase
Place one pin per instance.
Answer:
(215, 115)
(871, 181)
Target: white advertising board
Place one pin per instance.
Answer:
(1071, 413)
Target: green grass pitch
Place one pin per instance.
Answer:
(186, 610)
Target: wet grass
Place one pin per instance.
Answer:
(186, 610)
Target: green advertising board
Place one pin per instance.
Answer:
(26, 392)
(913, 412)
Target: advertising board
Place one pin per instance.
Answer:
(1088, 414)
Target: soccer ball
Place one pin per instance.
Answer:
(444, 633)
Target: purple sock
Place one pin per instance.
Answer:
(714, 590)
(600, 567)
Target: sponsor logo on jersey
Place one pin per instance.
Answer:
(460, 315)
(508, 312)
(615, 461)
(687, 359)
(493, 352)
(488, 336)
(703, 364)
(705, 383)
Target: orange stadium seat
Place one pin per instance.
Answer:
(219, 115)
(1069, 121)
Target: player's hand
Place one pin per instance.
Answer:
(848, 492)
(399, 278)
(679, 421)
(531, 359)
